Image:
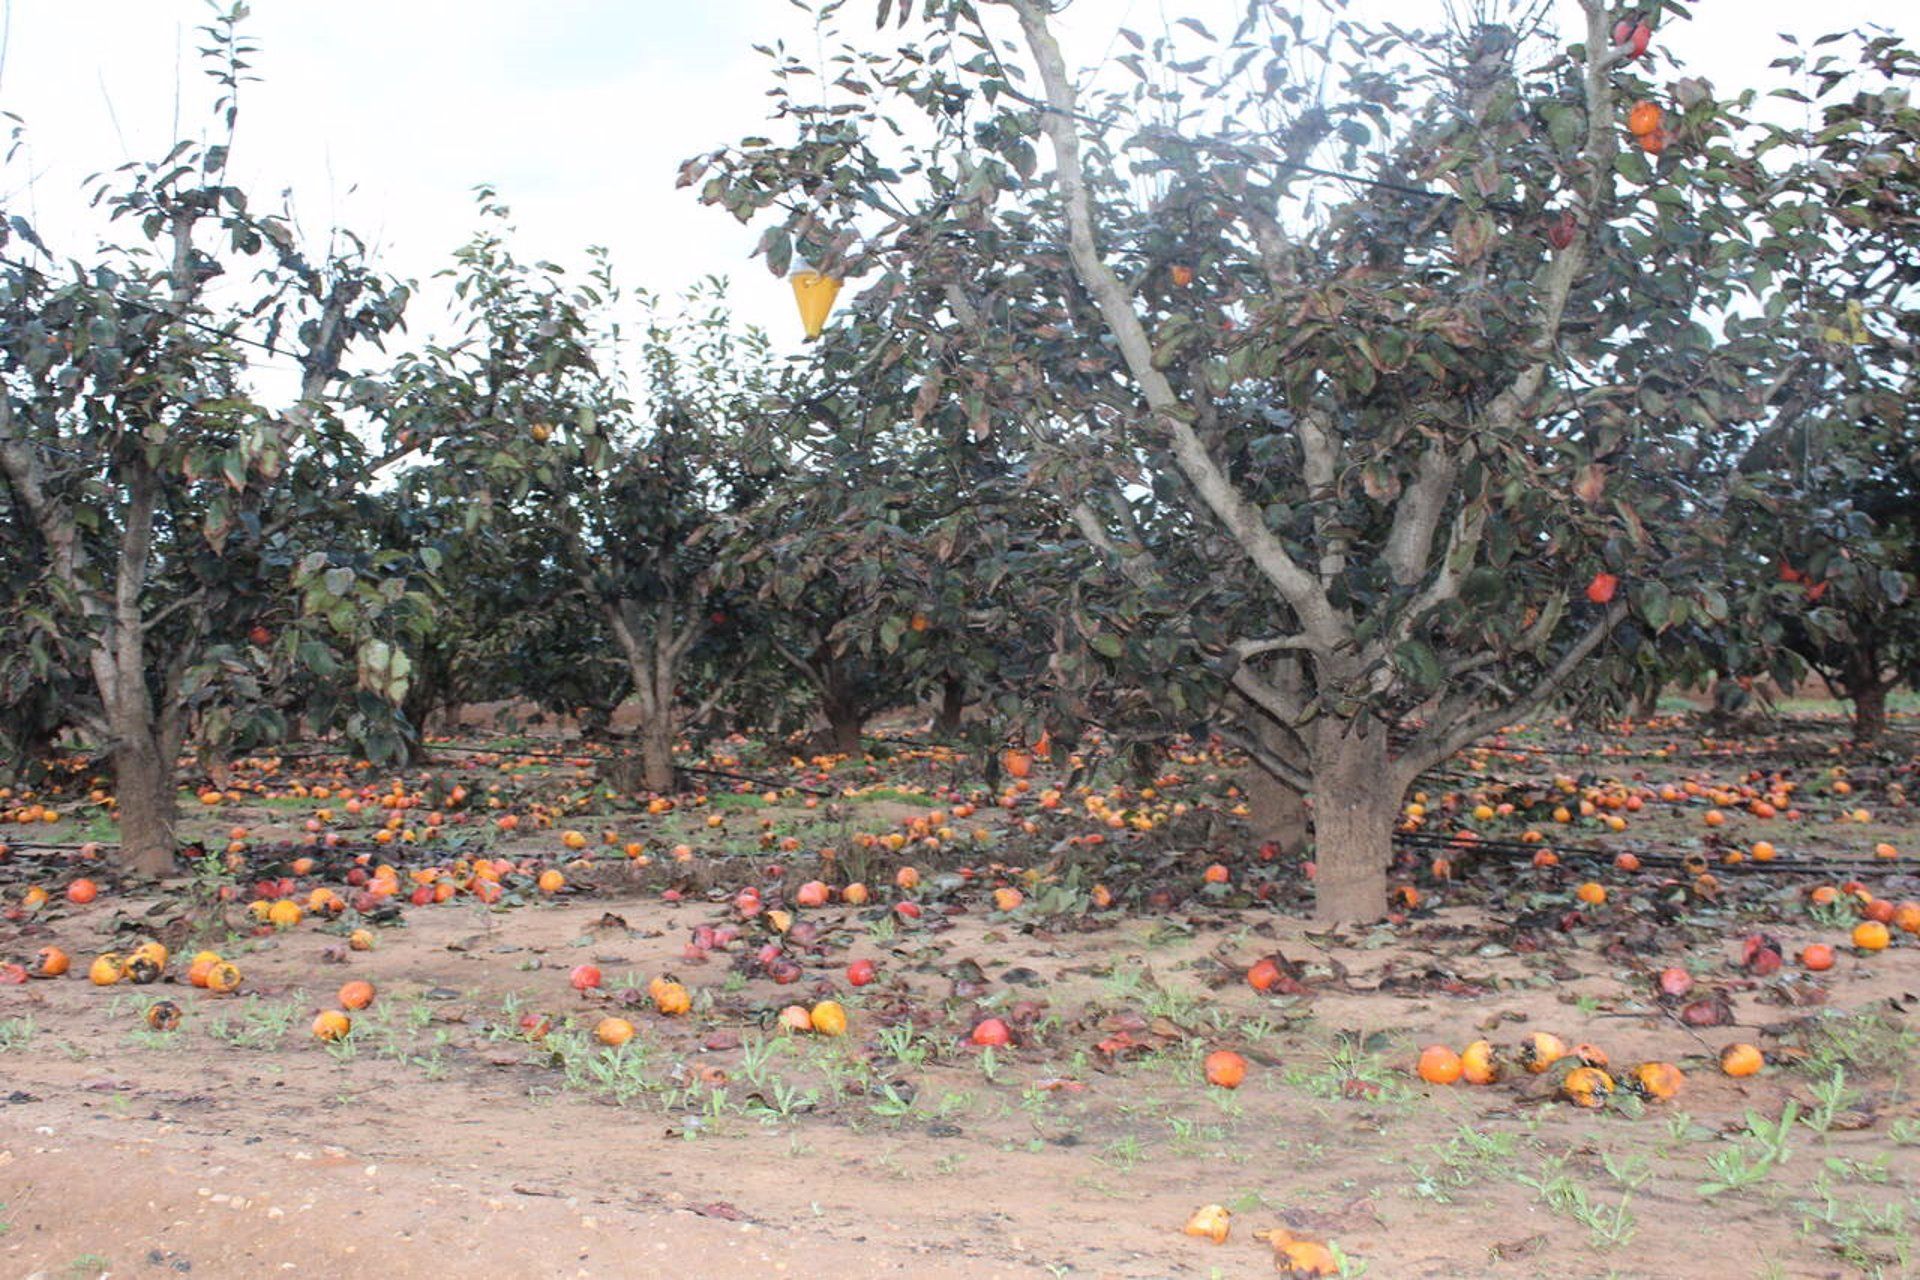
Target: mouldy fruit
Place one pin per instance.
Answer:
(1657, 1081)
(1587, 1086)
(163, 1015)
(107, 969)
(1478, 1065)
(1539, 1051)
(1294, 1256)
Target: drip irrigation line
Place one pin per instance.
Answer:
(1658, 861)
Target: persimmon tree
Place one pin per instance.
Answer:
(1825, 502)
(1390, 334)
(901, 560)
(163, 500)
(634, 481)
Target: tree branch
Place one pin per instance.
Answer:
(1241, 518)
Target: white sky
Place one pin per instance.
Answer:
(384, 115)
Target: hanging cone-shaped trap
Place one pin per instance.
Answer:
(815, 294)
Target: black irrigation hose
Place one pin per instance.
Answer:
(1656, 861)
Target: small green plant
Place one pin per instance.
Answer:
(17, 1033)
(1753, 1156)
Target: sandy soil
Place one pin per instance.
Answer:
(439, 1141)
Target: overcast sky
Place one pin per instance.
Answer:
(383, 116)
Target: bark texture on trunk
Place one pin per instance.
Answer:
(656, 753)
(1869, 711)
(148, 805)
(1355, 804)
(1278, 812)
(843, 729)
(953, 702)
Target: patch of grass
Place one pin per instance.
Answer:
(1754, 1155)
(17, 1033)
(1608, 1225)
(261, 1024)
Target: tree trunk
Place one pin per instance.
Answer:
(953, 701)
(845, 719)
(1355, 804)
(1277, 809)
(1869, 711)
(1278, 812)
(1648, 705)
(148, 805)
(656, 752)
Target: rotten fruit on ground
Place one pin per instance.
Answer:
(1479, 1065)
(1587, 1086)
(1539, 1051)
(1210, 1222)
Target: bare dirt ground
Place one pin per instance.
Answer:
(439, 1139)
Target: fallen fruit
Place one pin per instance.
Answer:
(829, 1018)
(356, 995)
(1871, 935)
(1541, 1050)
(1741, 1060)
(991, 1032)
(1209, 1222)
(1587, 1086)
(107, 969)
(613, 1031)
(1438, 1065)
(332, 1025)
(1658, 1081)
(1225, 1068)
(1478, 1065)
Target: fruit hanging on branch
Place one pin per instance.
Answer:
(1645, 118)
(1561, 233)
(1601, 589)
(1634, 36)
(815, 292)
